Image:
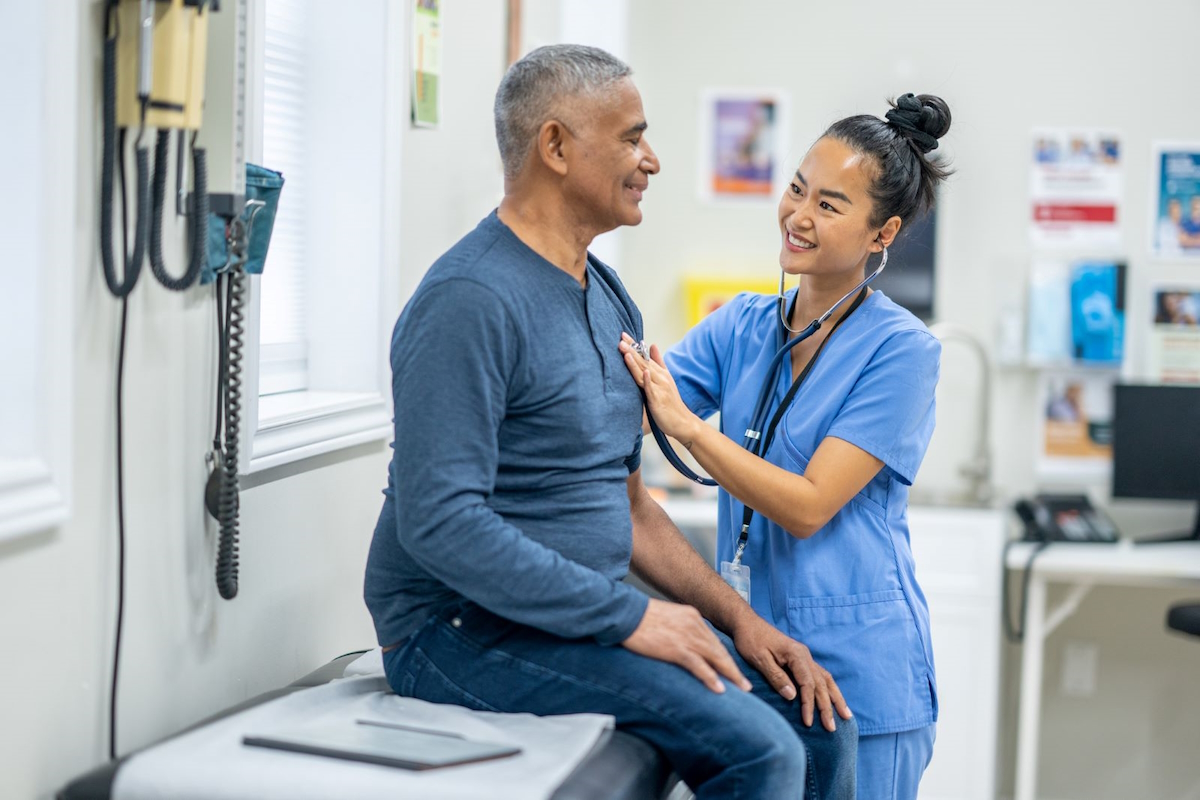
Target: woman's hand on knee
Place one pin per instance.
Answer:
(788, 664)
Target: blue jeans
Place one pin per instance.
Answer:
(730, 745)
(831, 756)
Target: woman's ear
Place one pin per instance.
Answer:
(551, 146)
(887, 234)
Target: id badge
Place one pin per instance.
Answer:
(737, 576)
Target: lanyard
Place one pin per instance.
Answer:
(758, 445)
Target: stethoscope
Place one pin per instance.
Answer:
(753, 439)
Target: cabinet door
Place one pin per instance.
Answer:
(957, 553)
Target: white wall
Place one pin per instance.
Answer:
(305, 528)
(1004, 68)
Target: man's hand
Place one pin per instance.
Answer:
(678, 634)
(775, 654)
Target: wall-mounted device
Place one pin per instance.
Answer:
(154, 65)
(155, 54)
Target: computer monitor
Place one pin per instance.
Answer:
(1156, 445)
(908, 279)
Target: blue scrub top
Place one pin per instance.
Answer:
(849, 592)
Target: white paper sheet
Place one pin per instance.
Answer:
(212, 763)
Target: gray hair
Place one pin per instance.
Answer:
(534, 88)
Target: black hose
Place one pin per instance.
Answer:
(198, 216)
(227, 500)
(200, 208)
(133, 264)
(120, 400)
(1012, 632)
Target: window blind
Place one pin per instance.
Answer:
(283, 329)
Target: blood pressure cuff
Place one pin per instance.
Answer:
(261, 184)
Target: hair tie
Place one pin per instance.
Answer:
(910, 117)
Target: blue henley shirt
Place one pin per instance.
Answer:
(517, 427)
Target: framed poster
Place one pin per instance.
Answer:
(1175, 337)
(426, 63)
(1075, 189)
(1175, 201)
(743, 139)
(1075, 431)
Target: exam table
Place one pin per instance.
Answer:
(619, 766)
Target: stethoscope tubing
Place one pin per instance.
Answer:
(762, 406)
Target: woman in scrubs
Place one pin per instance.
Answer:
(828, 544)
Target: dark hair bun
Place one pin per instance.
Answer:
(922, 119)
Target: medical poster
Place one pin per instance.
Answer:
(1076, 313)
(1175, 223)
(1175, 337)
(1098, 312)
(426, 64)
(1048, 331)
(743, 135)
(1076, 423)
(1075, 189)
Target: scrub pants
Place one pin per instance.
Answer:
(890, 765)
(730, 745)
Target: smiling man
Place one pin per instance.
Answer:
(515, 504)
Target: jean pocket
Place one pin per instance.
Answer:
(408, 677)
(433, 685)
(476, 623)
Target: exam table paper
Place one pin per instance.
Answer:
(211, 763)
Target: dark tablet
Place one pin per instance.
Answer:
(379, 742)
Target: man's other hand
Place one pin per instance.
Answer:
(775, 654)
(678, 634)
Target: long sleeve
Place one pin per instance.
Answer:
(455, 357)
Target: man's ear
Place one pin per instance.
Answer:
(887, 234)
(552, 143)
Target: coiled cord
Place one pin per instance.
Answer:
(197, 217)
(227, 497)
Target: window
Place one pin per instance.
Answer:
(326, 112)
(35, 308)
(283, 337)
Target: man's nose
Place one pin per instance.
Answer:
(650, 163)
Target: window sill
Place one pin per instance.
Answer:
(30, 499)
(300, 425)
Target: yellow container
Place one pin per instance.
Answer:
(179, 52)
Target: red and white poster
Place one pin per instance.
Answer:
(1075, 189)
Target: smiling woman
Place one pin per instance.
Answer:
(814, 506)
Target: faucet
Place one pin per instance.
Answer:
(978, 470)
